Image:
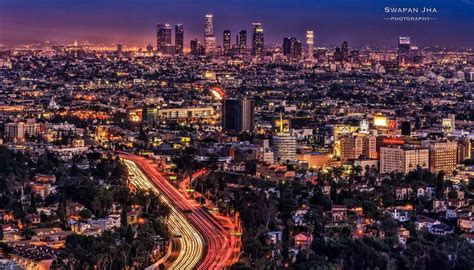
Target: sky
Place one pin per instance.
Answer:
(134, 22)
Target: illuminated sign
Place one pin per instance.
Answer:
(364, 126)
(217, 92)
(380, 121)
(392, 124)
(185, 139)
(393, 141)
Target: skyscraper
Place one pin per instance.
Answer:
(227, 41)
(163, 38)
(403, 49)
(196, 47)
(247, 114)
(309, 44)
(242, 41)
(345, 50)
(209, 38)
(258, 42)
(286, 46)
(179, 39)
(292, 47)
(209, 27)
(237, 115)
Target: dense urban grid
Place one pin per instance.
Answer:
(240, 155)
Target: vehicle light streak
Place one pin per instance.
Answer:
(190, 244)
(221, 247)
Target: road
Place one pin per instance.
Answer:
(220, 245)
(231, 224)
(187, 245)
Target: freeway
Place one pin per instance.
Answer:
(222, 249)
(185, 251)
(232, 225)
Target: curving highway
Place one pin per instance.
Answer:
(221, 248)
(187, 245)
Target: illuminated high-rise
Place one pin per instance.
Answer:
(345, 50)
(286, 46)
(209, 38)
(196, 47)
(258, 42)
(209, 27)
(179, 38)
(242, 41)
(163, 38)
(292, 47)
(403, 49)
(309, 44)
(227, 41)
(237, 115)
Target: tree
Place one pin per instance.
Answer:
(453, 194)
(85, 214)
(370, 209)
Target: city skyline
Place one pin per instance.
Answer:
(135, 23)
(236, 134)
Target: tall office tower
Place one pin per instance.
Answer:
(247, 114)
(292, 47)
(309, 44)
(345, 50)
(403, 159)
(242, 41)
(163, 38)
(209, 26)
(193, 46)
(414, 55)
(179, 39)
(258, 42)
(284, 147)
(209, 38)
(297, 49)
(237, 115)
(338, 54)
(227, 41)
(196, 47)
(119, 47)
(403, 50)
(443, 156)
(286, 46)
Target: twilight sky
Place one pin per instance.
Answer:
(133, 21)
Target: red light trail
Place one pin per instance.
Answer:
(223, 247)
